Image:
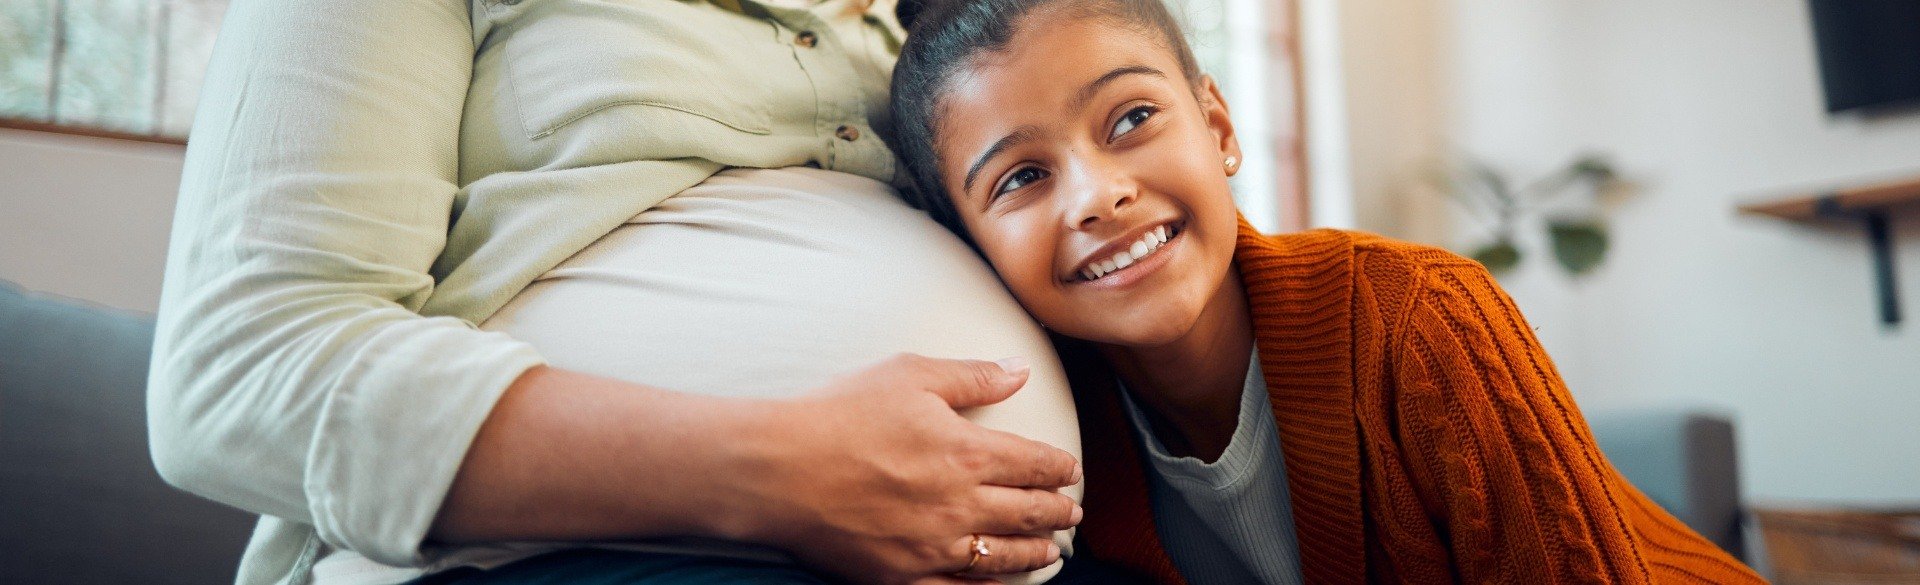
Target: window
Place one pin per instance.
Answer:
(124, 68)
(1250, 47)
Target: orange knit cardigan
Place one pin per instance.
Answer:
(1427, 437)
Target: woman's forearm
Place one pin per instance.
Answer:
(566, 455)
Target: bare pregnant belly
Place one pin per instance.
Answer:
(769, 283)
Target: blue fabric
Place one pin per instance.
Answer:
(1684, 460)
(80, 501)
(1649, 448)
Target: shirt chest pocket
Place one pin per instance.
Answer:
(650, 62)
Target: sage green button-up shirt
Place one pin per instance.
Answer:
(367, 180)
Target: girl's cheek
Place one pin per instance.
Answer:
(1017, 269)
(1023, 247)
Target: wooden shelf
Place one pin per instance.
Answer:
(1839, 203)
(1868, 205)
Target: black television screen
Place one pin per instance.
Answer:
(1869, 53)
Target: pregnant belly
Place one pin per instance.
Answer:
(771, 282)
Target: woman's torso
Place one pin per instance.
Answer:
(768, 283)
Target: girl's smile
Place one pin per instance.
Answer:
(1125, 261)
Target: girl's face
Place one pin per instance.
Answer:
(1094, 179)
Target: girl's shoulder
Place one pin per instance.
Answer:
(1327, 255)
(1346, 275)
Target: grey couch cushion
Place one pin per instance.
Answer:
(80, 501)
(1685, 461)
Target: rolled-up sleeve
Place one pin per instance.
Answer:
(292, 374)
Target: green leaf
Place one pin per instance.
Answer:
(1594, 167)
(1499, 257)
(1578, 245)
(1495, 184)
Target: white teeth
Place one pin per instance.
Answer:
(1147, 244)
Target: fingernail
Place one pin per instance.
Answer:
(1078, 513)
(1077, 472)
(1053, 552)
(1013, 366)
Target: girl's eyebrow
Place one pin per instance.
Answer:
(1019, 135)
(1092, 88)
(1080, 99)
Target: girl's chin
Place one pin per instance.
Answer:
(1170, 317)
(1138, 337)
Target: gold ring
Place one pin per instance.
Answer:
(979, 546)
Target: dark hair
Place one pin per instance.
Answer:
(944, 36)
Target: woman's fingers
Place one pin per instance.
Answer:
(1004, 554)
(967, 383)
(1005, 510)
(1017, 461)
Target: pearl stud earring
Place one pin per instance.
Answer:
(1232, 160)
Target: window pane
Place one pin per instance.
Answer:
(25, 40)
(1206, 24)
(106, 72)
(191, 26)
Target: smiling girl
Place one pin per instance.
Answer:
(1320, 407)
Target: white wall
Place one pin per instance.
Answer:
(1707, 103)
(86, 218)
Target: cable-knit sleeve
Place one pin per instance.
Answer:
(1502, 464)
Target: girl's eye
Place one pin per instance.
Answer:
(1021, 178)
(1133, 119)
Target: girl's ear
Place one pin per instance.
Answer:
(1214, 107)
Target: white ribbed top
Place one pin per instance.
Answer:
(1226, 521)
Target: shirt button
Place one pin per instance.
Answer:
(847, 133)
(806, 39)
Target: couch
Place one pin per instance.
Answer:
(1685, 461)
(80, 501)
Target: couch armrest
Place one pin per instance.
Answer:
(1685, 460)
(80, 501)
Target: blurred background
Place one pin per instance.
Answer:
(1597, 155)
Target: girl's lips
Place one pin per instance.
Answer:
(1108, 253)
(1140, 269)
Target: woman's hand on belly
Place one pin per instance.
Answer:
(873, 478)
(876, 478)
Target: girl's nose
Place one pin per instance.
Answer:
(1101, 192)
